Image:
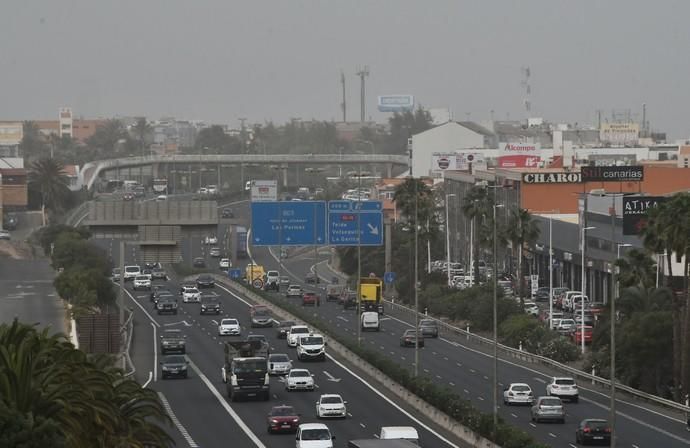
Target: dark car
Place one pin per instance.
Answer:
(174, 366)
(166, 304)
(428, 328)
(408, 338)
(282, 418)
(256, 337)
(348, 300)
(227, 213)
(159, 290)
(593, 431)
(199, 262)
(172, 340)
(311, 278)
(283, 328)
(542, 294)
(311, 298)
(210, 304)
(205, 281)
(10, 221)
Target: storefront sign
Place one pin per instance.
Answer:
(635, 210)
(551, 178)
(612, 173)
(518, 161)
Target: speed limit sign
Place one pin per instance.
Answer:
(258, 283)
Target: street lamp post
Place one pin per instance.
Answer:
(448, 196)
(550, 272)
(582, 298)
(612, 404)
(495, 318)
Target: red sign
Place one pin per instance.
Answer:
(519, 161)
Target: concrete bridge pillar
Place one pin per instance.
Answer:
(389, 170)
(155, 169)
(284, 169)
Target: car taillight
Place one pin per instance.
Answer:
(607, 430)
(586, 429)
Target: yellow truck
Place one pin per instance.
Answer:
(370, 294)
(255, 275)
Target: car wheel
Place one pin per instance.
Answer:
(186, 375)
(576, 399)
(269, 430)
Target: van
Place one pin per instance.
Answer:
(399, 432)
(370, 321)
(567, 297)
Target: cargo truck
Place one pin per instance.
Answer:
(245, 372)
(370, 294)
(241, 242)
(254, 274)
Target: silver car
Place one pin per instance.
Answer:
(279, 364)
(548, 408)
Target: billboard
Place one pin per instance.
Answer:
(635, 212)
(395, 103)
(264, 190)
(612, 173)
(564, 177)
(519, 161)
(455, 161)
(520, 148)
(11, 133)
(619, 133)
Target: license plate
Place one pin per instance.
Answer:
(598, 438)
(285, 425)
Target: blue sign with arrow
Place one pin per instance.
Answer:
(234, 273)
(389, 277)
(289, 223)
(353, 223)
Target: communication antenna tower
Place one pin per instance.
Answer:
(362, 73)
(526, 73)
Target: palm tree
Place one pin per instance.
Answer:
(142, 131)
(48, 178)
(636, 269)
(521, 230)
(477, 207)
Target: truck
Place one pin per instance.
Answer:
(254, 275)
(370, 294)
(245, 372)
(241, 242)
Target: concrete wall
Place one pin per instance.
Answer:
(152, 213)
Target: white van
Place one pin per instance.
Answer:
(370, 321)
(399, 432)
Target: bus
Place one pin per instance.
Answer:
(160, 186)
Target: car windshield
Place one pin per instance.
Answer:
(272, 273)
(282, 411)
(141, 277)
(550, 402)
(172, 334)
(191, 290)
(597, 424)
(229, 322)
(427, 323)
(261, 312)
(409, 332)
(311, 341)
(204, 278)
(316, 434)
(249, 366)
(132, 269)
(299, 330)
(299, 374)
(521, 388)
(279, 357)
(331, 400)
(174, 359)
(208, 299)
(566, 382)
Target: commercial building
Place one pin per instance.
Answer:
(11, 134)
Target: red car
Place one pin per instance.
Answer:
(311, 298)
(282, 419)
(577, 338)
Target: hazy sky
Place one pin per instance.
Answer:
(219, 60)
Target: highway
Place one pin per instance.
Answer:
(468, 370)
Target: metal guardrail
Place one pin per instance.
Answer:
(128, 330)
(94, 168)
(538, 359)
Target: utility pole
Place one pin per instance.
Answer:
(362, 73)
(343, 105)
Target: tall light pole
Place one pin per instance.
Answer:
(448, 196)
(612, 404)
(495, 317)
(550, 272)
(416, 279)
(584, 284)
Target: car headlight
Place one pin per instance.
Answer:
(274, 421)
(295, 420)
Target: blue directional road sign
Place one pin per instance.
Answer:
(389, 277)
(345, 218)
(234, 273)
(288, 223)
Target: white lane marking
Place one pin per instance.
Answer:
(362, 425)
(451, 383)
(142, 308)
(553, 435)
(480, 398)
(155, 354)
(342, 318)
(227, 407)
(539, 379)
(148, 381)
(533, 425)
(573, 446)
(536, 372)
(513, 415)
(176, 422)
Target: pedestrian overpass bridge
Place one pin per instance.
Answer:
(93, 170)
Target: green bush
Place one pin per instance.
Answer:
(424, 387)
(525, 329)
(560, 349)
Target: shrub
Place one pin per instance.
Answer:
(560, 349)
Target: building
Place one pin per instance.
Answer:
(14, 185)
(11, 135)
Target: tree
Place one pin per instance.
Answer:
(403, 126)
(477, 207)
(47, 177)
(108, 136)
(521, 230)
(33, 145)
(636, 269)
(142, 131)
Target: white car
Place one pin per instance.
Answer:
(279, 364)
(272, 277)
(142, 282)
(331, 405)
(299, 379)
(294, 291)
(565, 326)
(131, 272)
(294, 333)
(314, 435)
(229, 327)
(311, 346)
(4, 235)
(211, 189)
(191, 295)
(518, 393)
(563, 387)
(225, 263)
(161, 197)
(532, 309)
(211, 239)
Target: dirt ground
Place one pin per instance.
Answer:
(17, 250)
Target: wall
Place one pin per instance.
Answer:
(445, 138)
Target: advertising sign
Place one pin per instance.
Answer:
(619, 133)
(395, 103)
(551, 178)
(612, 173)
(459, 161)
(11, 133)
(635, 212)
(264, 190)
(520, 148)
(519, 161)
